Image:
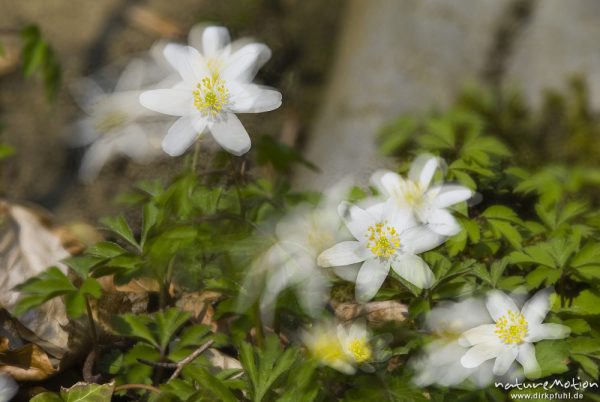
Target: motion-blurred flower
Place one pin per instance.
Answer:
(214, 86)
(427, 203)
(116, 123)
(385, 237)
(512, 334)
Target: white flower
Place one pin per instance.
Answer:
(355, 341)
(8, 388)
(512, 335)
(214, 87)
(116, 123)
(428, 203)
(385, 237)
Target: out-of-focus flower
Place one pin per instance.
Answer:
(116, 123)
(341, 347)
(214, 86)
(8, 388)
(439, 362)
(291, 261)
(427, 203)
(385, 237)
(512, 334)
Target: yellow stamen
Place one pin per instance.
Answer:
(511, 327)
(383, 240)
(360, 350)
(211, 95)
(327, 349)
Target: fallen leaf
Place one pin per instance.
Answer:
(199, 304)
(376, 313)
(88, 392)
(26, 363)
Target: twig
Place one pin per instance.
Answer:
(158, 364)
(181, 364)
(137, 386)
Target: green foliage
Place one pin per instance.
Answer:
(38, 56)
(79, 393)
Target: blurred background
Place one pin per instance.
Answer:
(345, 68)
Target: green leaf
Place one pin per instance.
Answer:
(577, 325)
(39, 289)
(552, 356)
(82, 265)
(150, 216)
(507, 231)
(46, 397)
(588, 365)
(75, 304)
(120, 227)
(214, 385)
(106, 249)
(91, 287)
(82, 392)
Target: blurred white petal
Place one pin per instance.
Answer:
(442, 222)
(244, 63)
(480, 353)
(174, 102)
(419, 239)
(343, 253)
(481, 334)
(356, 219)
(505, 358)
(414, 269)
(180, 136)
(230, 134)
(250, 98)
(538, 332)
(422, 170)
(526, 357)
(498, 304)
(448, 195)
(536, 308)
(370, 278)
(214, 39)
(186, 61)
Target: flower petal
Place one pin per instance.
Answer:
(526, 357)
(344, 253)
(480, 334)
(537, 332)
(442, 222)
(505, 358)
(390, 182)
(448, 195)
(250, 98)
(419, 239)
(180, 137)
(244, 63)
(186, 61)
(174, 102)
(214, 39)
(422, 170)
(94, 159)
(536, 308)
(414, 269)
(479, 354)
(357, 220)
(369, 279)
(231, 135)
(498, 304)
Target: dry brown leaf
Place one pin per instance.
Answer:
(148, 21)
(26, 363)
(221, 360)
(376, 313)
(199, 304)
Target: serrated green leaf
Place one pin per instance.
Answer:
(119, 226)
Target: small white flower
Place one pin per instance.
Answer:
(214, 87)
(323, 344)
(428, 203)
(8, 388)
(355, 340)
(385, 237)
(116, 123)
(512, 335)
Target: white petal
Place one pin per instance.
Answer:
(442, 222)
(536, 308)
(231, 135)
(94, 159)
(180, 137)
(244, 63)
(132, 76)
(498, 304)
(84, 133)
(537, 332)
(186, 61)
(449, 195)
(357, 220)
(214, 39)
(344, 253)
(422, 170)
(481, 334)
(369, 279)
(390, 182)
(174, 102)
(505, 358)
(419, 239)
(250, 98)
(414, 269)
(313, 292)
(479, 354)
(399, 217)
(526, 357)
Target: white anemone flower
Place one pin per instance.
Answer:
(428, 203)
(8, 388)
(513, 333)
(385, 237)
(214, 87)
(356, 343)
(323, 344)
(116, 124)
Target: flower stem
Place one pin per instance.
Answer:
(90, 315)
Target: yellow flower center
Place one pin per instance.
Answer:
(110, 121)
(327, 349)
(360, 350)
(511, 327)
(211, 95)
(410, 193)
(383, 240)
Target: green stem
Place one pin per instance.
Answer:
(90, 315)
(166, 284)
(258, 325)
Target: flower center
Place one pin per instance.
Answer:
(360, 350)
(110, 120)
(383, 240)
(511, 327)
(412, 193)
(327, 349)
(210, 95)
